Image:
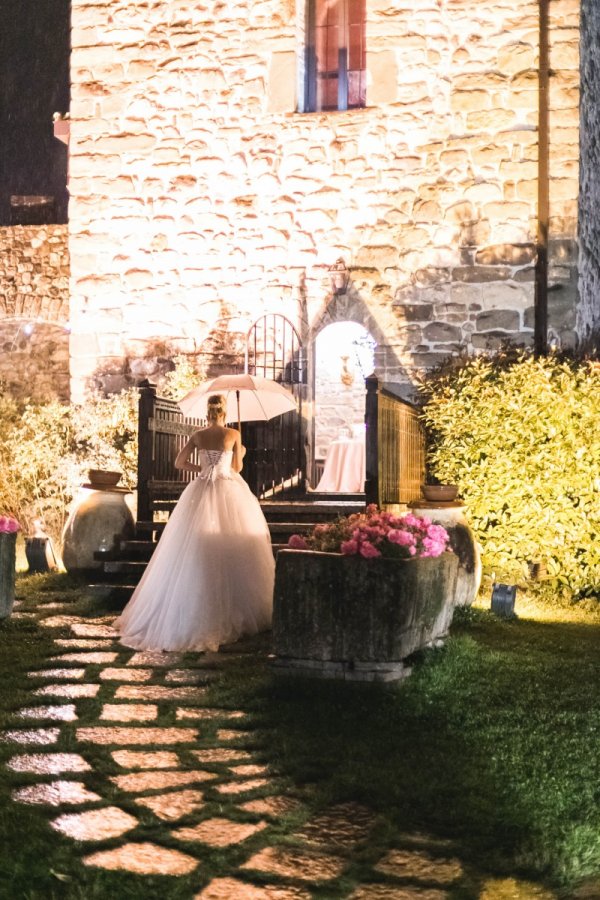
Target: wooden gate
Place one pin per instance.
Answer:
(275, 459)
(162, 432)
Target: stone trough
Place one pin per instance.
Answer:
(346, 617)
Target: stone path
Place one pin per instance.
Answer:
(190, 772)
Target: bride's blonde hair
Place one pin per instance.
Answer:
(216, 407)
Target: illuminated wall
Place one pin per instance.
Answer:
(201, 199)
(34, 311)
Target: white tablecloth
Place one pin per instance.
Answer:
(344, 466)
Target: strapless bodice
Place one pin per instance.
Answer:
(215, 464)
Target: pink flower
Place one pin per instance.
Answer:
(297, 542)
(368, 550)
(8, 525)
(403, 538)
(349, 548)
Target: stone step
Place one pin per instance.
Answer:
(137, 550)
(110, 595)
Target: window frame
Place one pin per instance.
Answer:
(311, 72)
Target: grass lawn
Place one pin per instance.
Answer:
(493, 742)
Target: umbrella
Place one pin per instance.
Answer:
(250, 398)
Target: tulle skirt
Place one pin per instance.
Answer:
(210, 579)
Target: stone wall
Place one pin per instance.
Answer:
(201, 199)
(589, 201)
(34, 311)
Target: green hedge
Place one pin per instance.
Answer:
(521, 438)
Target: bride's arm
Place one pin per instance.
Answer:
(182, 458)
(239, 451)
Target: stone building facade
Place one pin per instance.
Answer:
(202, 198)
(34, 312)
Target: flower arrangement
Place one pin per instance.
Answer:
(8, 525)
(376, 533)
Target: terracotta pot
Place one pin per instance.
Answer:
(103, 478)
(439, 492)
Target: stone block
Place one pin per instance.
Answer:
(382, 76)
(506, 254)
(505, 319)
(442, 332)
(481, 274)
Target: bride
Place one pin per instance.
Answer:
(210, 579)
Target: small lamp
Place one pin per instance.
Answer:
(339, 275)
(503, 600)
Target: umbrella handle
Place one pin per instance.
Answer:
(237, 394)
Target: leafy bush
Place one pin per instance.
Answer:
(521, 438)
(46, 449)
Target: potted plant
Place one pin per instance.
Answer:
(356, 597)
(8, 541)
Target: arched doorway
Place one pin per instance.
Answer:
(275, 459)
(344, 357)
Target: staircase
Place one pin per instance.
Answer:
(121, 569)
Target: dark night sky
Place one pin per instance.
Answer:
(34, 73)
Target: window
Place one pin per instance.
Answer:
(335, 55)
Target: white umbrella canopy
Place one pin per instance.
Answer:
(250, 398)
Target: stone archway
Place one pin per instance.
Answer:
(344, 355)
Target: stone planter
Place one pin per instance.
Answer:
(462, 542)
(344, 617)
(8, 544)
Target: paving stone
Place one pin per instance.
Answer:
(83, 643)
(163, 660)
(227, 734)
(292, 863)
(271, 806)
(232, 889)
(88, 630)
(48, 763)
(98, 734)
(219, 832)
(72, 691)
(418, 864)
(56, 793)
(136, 782)
(146, 759)
(60, 621)
(64, 713)
(511, 889)
(23, 615)
(143, 859)
(174, 805)
(95, 824)
(247, 771)
(220, 755)
(52, 604)
(199, 712)
(129, 712)
(188, 676)
(41, 736)
(67, 674)
(158, 692)
(344, 825)
(92, 658)
(390, 892)
(240, 787)
(124, 674)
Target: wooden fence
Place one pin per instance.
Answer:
(395, 448)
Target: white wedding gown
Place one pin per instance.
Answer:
(210, 578)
